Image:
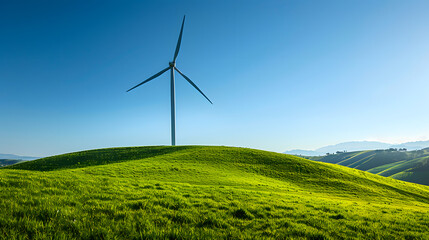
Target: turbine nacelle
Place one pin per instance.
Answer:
(172, 64)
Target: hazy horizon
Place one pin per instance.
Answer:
(285, 150)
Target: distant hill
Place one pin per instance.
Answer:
(299, 152)
(13, 156)
(353, 146)
(412, 145)
(202, 192)
(359, 146)
(6, 162)
(411, 166)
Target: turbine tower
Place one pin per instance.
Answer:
(172, 67)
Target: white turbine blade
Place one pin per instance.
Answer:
(193, 84)
(179, 41)
(147, 80)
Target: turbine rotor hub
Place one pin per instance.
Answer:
(172, 64)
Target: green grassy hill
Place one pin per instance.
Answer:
(198, 192)
(6, 162)
(408, 166)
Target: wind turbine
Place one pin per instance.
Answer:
(172, 67)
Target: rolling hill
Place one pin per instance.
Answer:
(412, 166)
(198, 192)
(6, 162)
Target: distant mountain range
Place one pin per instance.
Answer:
(359, 146)
(13, 156)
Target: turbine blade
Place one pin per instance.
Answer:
(193, 84)
(147, 80)
(179, 41)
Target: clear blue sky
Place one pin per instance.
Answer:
(281, 74)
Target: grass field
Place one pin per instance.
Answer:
(198, 192)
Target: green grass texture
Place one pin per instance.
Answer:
(202, 192)
(412, 166)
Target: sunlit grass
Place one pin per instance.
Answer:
(204, 192)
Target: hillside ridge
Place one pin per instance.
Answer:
(411, 166)
(268, 164)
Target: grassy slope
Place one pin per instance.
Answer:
(419, 173)
(6, 162)
(204, 192)
(398, 165)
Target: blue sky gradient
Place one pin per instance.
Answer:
(281, 74)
